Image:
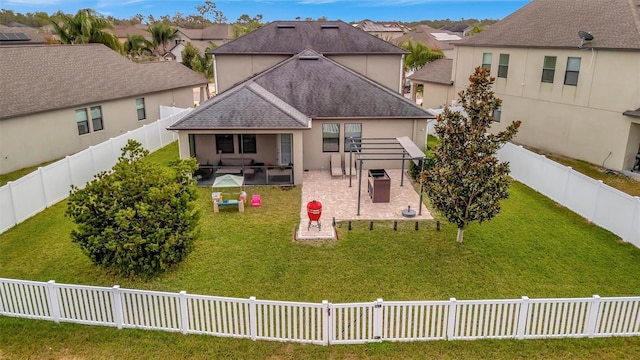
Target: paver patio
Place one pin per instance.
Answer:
(340, 201)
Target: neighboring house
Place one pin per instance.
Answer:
(437, 86)
(59, 99)
(461, 29)
(433, 38)
(20, 35)
(292, 93)
(385, 31)
(575, 97)
(216, 34)
(122, 31)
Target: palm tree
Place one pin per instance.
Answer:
(419, 55)
(137, 46)
(86, 26)
(162, 34)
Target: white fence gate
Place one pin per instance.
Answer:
(322, 323)
(31, 194)
(592, 199)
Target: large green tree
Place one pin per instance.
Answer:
(138, 219)
(86, 26)
(467, 182)
(419, 55)
(246, 24)
(161, 33)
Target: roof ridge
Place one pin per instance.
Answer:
(296, 114)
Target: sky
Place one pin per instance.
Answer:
(346, 10)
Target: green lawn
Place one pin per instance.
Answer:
(533, 248)
(15, 175)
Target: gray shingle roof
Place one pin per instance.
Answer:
(305, 86)
(34, 36)
(42, 78)
(292, 37)
(423, 33)
(614, 24)
(438, 72)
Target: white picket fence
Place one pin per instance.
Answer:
(321, 323)
(31, 194)
(592, 199)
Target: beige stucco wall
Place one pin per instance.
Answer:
(33, 139)
(583, 121)
(383, 69)
(433, 95)
(232, 69)
(266, 144)
(315, 158)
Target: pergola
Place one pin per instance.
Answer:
(369, 149)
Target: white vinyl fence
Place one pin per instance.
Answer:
(592, 199)
(29, 195)
(321, 323)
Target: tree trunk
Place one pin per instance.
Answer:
(460, 235)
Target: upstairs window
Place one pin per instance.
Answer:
(573, 70)
(83, 121)
(331, 137)
(96, 118)
(140, 108)
(549, 69)
(352, 131)
(224, 144)
(497, 114)
(503, 66)
(486, 60)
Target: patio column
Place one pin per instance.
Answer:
(298, 158)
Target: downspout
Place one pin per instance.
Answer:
(402, 75)
(215, 75)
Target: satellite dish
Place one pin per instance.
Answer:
(584, 36)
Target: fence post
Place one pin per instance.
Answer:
(523, 317)
(93, 160)
(594, 309)
(451, 323)
(116, 304)
(14, 212)
(326, 323)
(566, 186)
(634, 228)
(54, 305)
(253, 318)
(184, 312)
(377, 320)
(44, 188)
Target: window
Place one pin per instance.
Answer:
(486, 60)
(140, 107)
(503, 66)
(82, 121)
(96, 118)
(573, 69)
(247, 143)
(548, 69)
(330, 137)
(224, 144)
(497, 114)
(352, 131)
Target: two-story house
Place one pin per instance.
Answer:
(292, 93)
(570, 70)
(57, 100)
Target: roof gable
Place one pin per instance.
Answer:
(438, 71)
(289, 94)
(614, 24)
(292, 37)
(78, 75)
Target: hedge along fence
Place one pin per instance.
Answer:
(31, 194)
(322, 323)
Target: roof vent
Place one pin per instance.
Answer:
(329, 26)
(584, 36)
(286, 26)
(308, 57)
